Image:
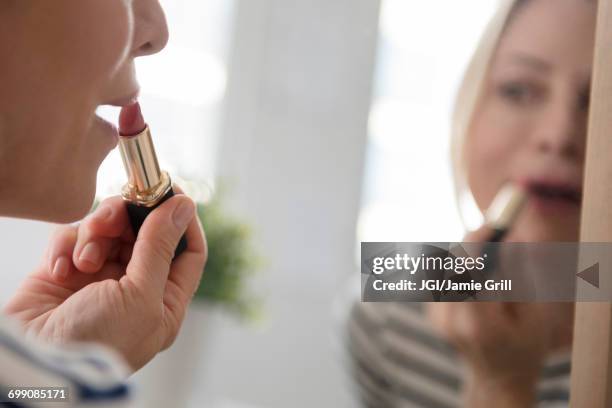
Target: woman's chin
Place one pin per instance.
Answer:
(76, 211)
(73, 214)
(537, 229)
(69, 206)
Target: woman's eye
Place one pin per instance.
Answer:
(519, 93)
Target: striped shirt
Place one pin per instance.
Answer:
(398, 361)
(91, 374)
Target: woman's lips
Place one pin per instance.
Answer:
(553, 196)
(129, 99)
(549, 205)
(110, 128)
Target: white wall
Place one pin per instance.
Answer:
(292, 150)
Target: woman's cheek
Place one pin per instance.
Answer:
(489, 154)
(106, 39)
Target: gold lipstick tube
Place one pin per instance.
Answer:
(148, 186)
(505, 207)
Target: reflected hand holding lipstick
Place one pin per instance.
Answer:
(503, 211)
(148, 186)
(500, 216)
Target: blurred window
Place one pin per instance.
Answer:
(423, 49)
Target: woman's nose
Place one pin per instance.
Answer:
(562, 131)
(150, 28)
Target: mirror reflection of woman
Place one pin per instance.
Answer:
(520, 117)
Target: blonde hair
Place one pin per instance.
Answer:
(470, 92)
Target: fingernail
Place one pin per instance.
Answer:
(102, 213)
(90, 253)
(183, 213)
(61, 267)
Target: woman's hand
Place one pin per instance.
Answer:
(504, 344)
(97, 283)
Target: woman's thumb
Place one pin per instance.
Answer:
(156, 242)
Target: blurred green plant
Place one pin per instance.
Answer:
(232, 261)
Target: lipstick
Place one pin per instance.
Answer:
(148, 186)
(504, 210)
(500, 216)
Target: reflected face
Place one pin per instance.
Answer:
(530, 125)
(62, 59)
